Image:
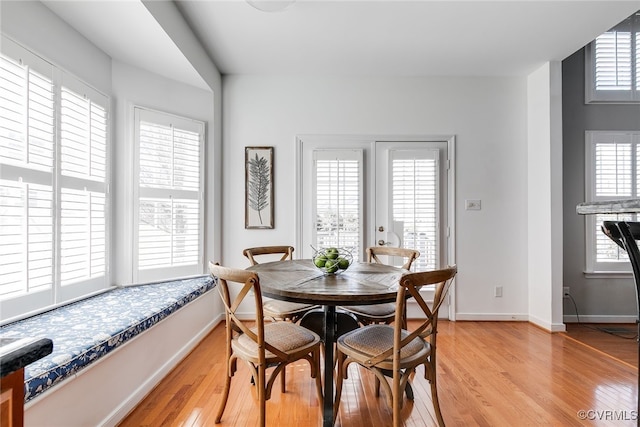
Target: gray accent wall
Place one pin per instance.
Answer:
(598, 299)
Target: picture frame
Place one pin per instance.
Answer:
(258, 211)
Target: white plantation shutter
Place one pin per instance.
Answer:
(614, 168)
(415, 195)
(26, 238)
(53, 184)
(83, 142)
(169, 215)
(82, 235)
(84, 136)
(637, 45)
(613, 61)
(168, 232)
(612, 173)
(26, 173)
(27, 113)
(338, 203)
(613, 64)
(169, 157)
(606, 251)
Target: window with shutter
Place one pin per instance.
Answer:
(612, 164)
(169, 186)
(415, 196)
(53, 184)
(338, 199)
(26, 174)
(613, 64)
(83, 142)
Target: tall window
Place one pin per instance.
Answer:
(169, 232)
(613, 64)
(612, 173)
(53, 184)
(338, 199)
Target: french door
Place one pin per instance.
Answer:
(356, 192)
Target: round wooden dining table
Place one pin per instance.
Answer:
(301, 281)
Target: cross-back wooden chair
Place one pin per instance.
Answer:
(382, 313)
(276, 309)
(391, 351)
(266, 345)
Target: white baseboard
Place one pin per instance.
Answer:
(551, 327)
(599, 319)
(493, 317)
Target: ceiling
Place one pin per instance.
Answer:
(127, 32)
(353, 38)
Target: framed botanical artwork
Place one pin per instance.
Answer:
(258, 210)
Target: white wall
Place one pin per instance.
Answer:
(544, 192)
(488, 118)
(38, 29)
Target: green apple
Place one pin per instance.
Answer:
(343, 263)
(331, 266)
(332, 253)
(320, 261)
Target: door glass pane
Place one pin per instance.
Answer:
(414, 206)
(338, 202)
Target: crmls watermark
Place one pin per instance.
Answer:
(607, 415)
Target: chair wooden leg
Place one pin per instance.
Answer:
(225, 396)
(262, 399)
(339, 378)
(318, 377)
(397, 399)
(436, 403)
(283, 379)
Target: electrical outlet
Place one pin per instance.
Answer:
(565, 292)
(497, 292)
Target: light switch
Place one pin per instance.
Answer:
(473, 205)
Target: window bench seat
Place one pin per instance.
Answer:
(86, 331)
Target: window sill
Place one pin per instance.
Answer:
(608, 275)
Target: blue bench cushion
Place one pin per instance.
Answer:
(86, 330)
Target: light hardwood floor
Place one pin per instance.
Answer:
(490, 374)
(618, 340)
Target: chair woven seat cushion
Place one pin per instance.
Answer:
(284, 307)
(375, 310)
(285, 336)
(374, 339)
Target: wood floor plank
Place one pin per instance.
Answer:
(489, 374)
(618, 341)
